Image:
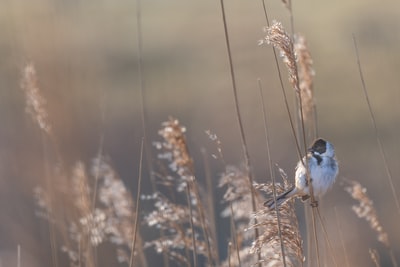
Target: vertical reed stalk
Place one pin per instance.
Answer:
(376, 131)
(211, 201)
(52, 232)
(201, 209)
(239, 119)
(142, 85)
(137, 205)
(266, 134)
(234, 237)
(189, 200)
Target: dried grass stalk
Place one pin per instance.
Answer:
(34, 102)
(35, 106)
(191, 231)
(111, 221)
(306, 76)
(366, 210)
(279, 38)
(238, 198)
(238, 193)
(115, 200)
(269, 242)
(373, 253)
(88, 232)
(175, 144)
(174, 219)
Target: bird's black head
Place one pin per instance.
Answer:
(318, 146)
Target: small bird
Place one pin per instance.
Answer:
(323, 168)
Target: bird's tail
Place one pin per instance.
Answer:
(280, 199)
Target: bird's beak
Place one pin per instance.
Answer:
(310, 149)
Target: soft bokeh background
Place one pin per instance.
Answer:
(86, 57)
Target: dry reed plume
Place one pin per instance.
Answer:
(373, 253)
(279, 38)
(185, 226)
(176, 149)
(298, 61)
(366, 210)
(267, 244)
(93, 222)
(306, 76)
(238, 193)
(174, 220)
(237, 196)
(35, 103)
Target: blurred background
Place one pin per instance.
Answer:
(86, 57)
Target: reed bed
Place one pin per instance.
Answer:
(92, 218)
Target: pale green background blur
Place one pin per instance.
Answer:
(86, 57)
